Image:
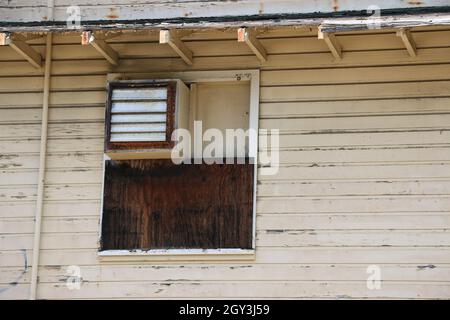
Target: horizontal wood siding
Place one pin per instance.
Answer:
(19, 11)
(112, 10)
(364, 176)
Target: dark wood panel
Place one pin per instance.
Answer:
(155, 204)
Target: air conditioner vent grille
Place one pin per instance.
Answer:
(139, 114)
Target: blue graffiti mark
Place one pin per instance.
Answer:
(15, 282)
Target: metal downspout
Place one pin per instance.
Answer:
(42, 159)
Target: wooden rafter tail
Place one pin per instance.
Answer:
(19, 45)
(169, 37)
(88, 38)
(247, 36)
(408, 41)
(332, 43)
(4, 39)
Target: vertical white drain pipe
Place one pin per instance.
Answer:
(42, 158)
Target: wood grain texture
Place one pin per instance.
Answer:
(155, 204)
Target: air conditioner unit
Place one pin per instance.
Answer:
(141, 116)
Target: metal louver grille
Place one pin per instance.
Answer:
(139, 114)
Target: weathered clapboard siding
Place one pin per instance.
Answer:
(266, 238)
(297, 221)
(29, 10)
(418, 256)
(246, 290)
(227, 272)
(364, 176)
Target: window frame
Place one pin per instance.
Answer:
(191, 77)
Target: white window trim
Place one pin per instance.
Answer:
(222, 254)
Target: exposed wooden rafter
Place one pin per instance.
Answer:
(408, 41)
(88, 38)
(21, 47)
(332, 43)
(247, 36)
(170, 38)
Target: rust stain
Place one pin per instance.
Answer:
(335, 5)
(416, 3)
(112, 14)
(85, 37)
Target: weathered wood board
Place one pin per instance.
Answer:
(218, 13)
(156, 204)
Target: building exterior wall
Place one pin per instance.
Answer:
(364, 177)
(111, 10)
